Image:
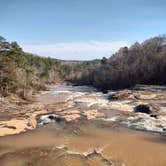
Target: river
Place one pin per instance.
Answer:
(93, 142)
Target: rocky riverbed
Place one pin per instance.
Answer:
(143, 107)
(83, 126)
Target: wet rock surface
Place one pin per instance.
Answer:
(47, 157)
(145, 105)
(141, 108)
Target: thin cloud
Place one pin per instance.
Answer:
(76, 50)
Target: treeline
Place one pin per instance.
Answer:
(143, 63)
(21, 72)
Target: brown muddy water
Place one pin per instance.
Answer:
(89, 144)
(82, 143)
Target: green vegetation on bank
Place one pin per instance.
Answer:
(21, 72)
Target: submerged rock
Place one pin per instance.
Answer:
(50, 118)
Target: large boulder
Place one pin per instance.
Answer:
(144, 108)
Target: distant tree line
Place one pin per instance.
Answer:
(143, 63)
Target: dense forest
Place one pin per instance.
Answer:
(21, 72)
(143, 63)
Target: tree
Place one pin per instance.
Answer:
(104, 60)
(8, 77)
(143, 63)
(4, 45)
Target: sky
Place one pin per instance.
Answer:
(80, 29)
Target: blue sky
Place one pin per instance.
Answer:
(80, 29)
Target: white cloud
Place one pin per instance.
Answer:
(76, 50)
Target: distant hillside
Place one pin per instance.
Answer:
(143, 63)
